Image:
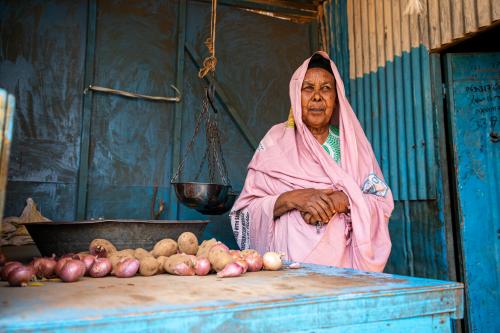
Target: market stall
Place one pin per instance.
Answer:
(311, 298)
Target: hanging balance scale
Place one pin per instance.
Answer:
(215, 196)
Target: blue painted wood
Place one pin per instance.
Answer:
(308, 299)
(383, 125)
(375, 116)
(418, 121)
(430, 108)
(473, 86)
(42, 64)
(409, 111)
(177, 123)
(393, 179)
(87, 104)
(404, 181)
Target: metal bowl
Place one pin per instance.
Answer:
(67, 237)
(223, 207)
(201, 196)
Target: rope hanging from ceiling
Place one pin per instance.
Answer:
(210, 62)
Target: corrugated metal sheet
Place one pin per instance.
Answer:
(452, 20)
(389, 88)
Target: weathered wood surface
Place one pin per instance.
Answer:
(311, 298)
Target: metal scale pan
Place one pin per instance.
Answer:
(209, 198)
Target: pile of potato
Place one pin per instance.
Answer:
(182, 257)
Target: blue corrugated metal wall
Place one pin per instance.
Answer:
(389, 73)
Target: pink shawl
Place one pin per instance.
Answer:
(289, 158)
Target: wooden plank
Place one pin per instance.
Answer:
(423, 23)
(434, 25)
(391, 103)
(3, 112)
(484, 12)
(414, 31)
(311, 298)
(445, 21)
(389, 31)
(470, 16)
(365, 37)
(495, 10)
(245, 130)
(380, 18)
(7, 114)
(358, 33)
(405, 28)
(327, 19)
(305, 10)
(372, 36)
(396, 28)
(352, 39)
(83, 170)
(457, 19)
(407, 85)
(173, 212)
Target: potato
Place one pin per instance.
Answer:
(188, 243)
(140, 253)
(205, 247)
(148, 266)
(128, 252)
(172, 261)
(117, 256)
(101, 247)
(161, 264)
(219, 258)
(166, 247)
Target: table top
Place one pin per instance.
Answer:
(347, 296)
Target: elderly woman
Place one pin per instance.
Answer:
(314, 190)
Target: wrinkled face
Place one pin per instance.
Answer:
(318, 96)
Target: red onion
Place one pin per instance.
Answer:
(3, 259)
(272, 261)
(87, 259)
(20, 276)
(231, 270)
(254, 261)
(72, 270)
(202, 266)
(127, 267)
(101, 267)
(243, 264)
(60, 264)
(9, 266)
(183, 269)
(44, 267)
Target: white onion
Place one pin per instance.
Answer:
(272, 261)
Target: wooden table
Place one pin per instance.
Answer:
(312, 298)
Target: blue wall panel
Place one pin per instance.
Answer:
(394, 107)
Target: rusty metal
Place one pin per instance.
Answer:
(75, 236)
(176, 99)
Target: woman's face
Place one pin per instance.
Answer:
(318, 96)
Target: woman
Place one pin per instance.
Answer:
(314, 190)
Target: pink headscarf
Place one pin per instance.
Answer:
(289, 158)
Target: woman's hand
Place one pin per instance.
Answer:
(317, 203)
(340, 204)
